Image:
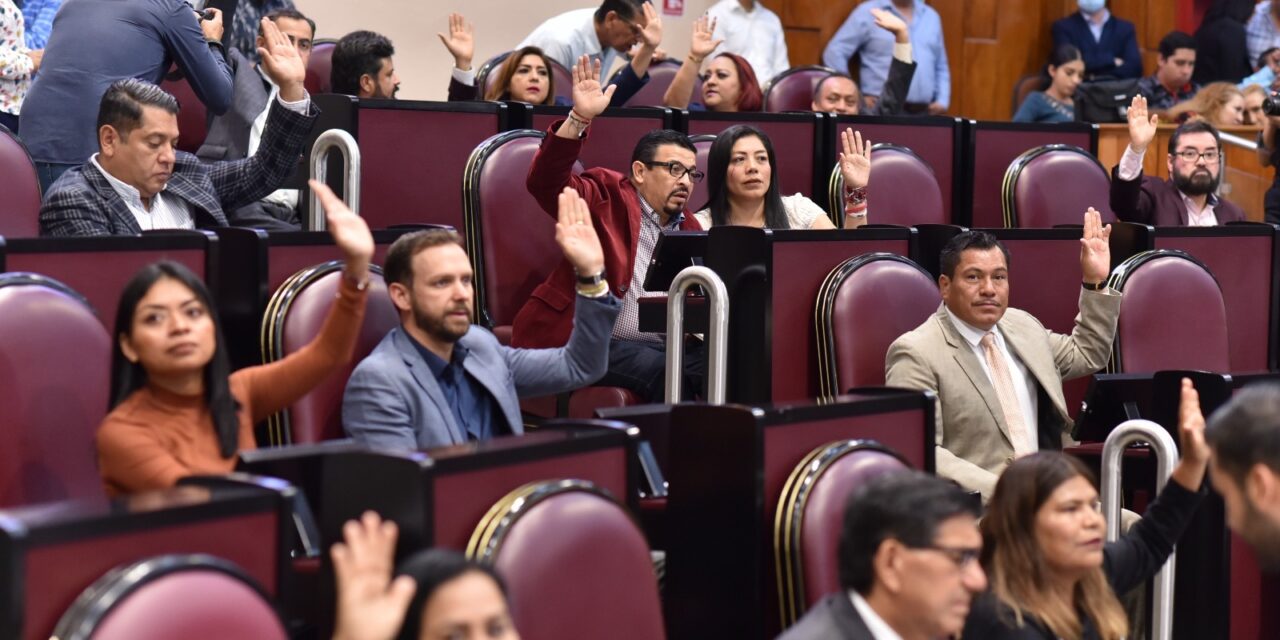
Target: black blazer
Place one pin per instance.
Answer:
(1119, 40)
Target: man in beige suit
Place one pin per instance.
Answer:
(998, 372)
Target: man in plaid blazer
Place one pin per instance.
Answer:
(139, 181)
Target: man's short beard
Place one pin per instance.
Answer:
(436, 327)
(1192, 186)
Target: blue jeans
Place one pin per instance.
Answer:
(641, 367)
(49, 172)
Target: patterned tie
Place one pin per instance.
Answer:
(1003, 383)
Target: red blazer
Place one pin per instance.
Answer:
(547, 318)
(1153, 201)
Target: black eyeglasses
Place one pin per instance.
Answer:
(962, 556)
(677, 170)
(1192, 156)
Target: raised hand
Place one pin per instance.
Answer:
(889, 21)
(702, 43)
(1095, 248)
(1142, 126)
(589, 100)
(282, 63)
(651, 34)
(1192, 447)
(855, 160)
(371, 606)
(349, 231)
(577, 235)
(460, 41)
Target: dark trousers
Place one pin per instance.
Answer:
(9, 121)
(268, 216)
(641, 368)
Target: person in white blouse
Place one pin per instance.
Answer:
(753, 32)
(742, 191)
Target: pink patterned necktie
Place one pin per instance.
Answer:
(1003, 382)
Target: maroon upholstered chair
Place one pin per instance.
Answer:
(904, 190)
(488, 73)
(193, 116)
(1053, 185)
(319, 66)
(55, 360)
(792, 90)
(702, 143)
(293, 318)
(20, 212)
(864, 304)
(1025, 86)
(811, 514)
(1160, 286)
(195, 597)
(575, 563)
(661, 73)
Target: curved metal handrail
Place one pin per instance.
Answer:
(1166, 453)
(717, 333)
(343, 142)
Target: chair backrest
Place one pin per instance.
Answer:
(193, 118)
(1054, 184)
(294, 316)
(320, 65)
(54, 375)
(661, 73)
(20, 213)
(489, 73)
(905, 190)
(175, 596)
(1025, 86)
(863, 306)
(575, 563)
(810, 517)
(702, 145)
(792, 90)
(1172, 316)
(510, 239)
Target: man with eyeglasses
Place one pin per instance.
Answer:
(629, 212)
(1189, 197)
(908, 563)
(601, 33)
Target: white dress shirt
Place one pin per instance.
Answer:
(166, 212)
(755, 35)
(1023, 382)
(880, 630)
(1131, 167)
(570, 36)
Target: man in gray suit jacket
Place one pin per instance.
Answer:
(998, 372)
(908, 564)
(438, 379)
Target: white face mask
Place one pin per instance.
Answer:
(1092, 6)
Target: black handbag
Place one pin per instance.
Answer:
(1105, 100)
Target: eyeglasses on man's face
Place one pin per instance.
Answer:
(678, 170)
(961, 556)
(1190, 156)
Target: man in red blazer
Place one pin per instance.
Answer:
(1189, 197)
(629, 213)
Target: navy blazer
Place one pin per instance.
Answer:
(1119, 40)
(393, 401)
(83, 203)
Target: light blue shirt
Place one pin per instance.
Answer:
(859, 34)
(1264, 77)
(1096, 27)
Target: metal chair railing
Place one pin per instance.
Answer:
(350, 149)
(717, 333)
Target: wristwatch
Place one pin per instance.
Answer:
(1094, 287)
(591, 281)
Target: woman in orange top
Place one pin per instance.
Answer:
(177, 410)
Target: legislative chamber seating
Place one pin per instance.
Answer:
(993, 146)
(863, 306)
(702, 144)
(54, 374)
(661, 73)
(489, 72)
(193, 116)
(799, 141)
(810, 518)
(192, 596)
(320, 66)
(903, 189)
(1053, 185)
(20, 215)
(293, 318)
(613, 134)
(792, 90)
(575, 563)
(938, 141)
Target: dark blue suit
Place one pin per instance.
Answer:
(1119, 40)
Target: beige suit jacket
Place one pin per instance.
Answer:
(972, 435)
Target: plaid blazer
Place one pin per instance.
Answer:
(83, 203)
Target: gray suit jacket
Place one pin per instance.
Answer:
(831, 618)
(393, 401)
(972, 436)
(228, 136)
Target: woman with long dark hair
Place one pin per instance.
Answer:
(1051, 575)
(176, 407)
(741, 167)
(1057, 102)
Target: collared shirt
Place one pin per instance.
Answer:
(627, 326)
(1158, 97)
(285, 197)
(570, 36)
(1095, 27)
(755, 35)
(1261, 32)
(166, 212)
(470, 402)
(1131, 167)
(880, 630)
(1024, 383)
(859, 34)
(1262, 77)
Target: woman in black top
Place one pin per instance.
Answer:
(1050, 574)
(1221, 53)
